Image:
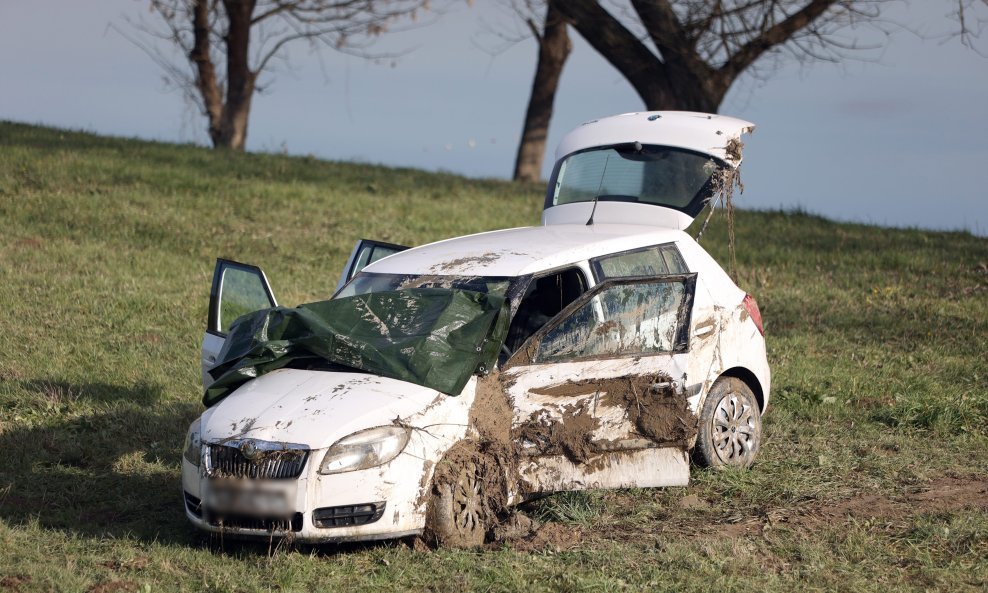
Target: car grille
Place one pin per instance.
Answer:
(229, 461)
(270, 524)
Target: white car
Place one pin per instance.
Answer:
(445, 383)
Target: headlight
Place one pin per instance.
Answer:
(365, 449)
(193, 444)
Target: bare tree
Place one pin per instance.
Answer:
(972, 18)
(686, 54)
(554, 47)
(229, 43)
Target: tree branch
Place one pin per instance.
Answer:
(617, 45)
(770, 37)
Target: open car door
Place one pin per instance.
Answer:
(365, 253)
(237, 289)
(598, 391)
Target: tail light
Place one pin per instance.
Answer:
(751, 306)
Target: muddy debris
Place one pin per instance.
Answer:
(570, 436)
(658, 414)
(492, 410)
(467, 261)
(491, 458)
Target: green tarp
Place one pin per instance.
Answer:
(433, 337)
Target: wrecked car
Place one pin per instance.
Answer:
(445, 383)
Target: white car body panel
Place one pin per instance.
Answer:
(211, 346)
(607, 213)
(324, 407)
(521, 251)
(655, 467)
(313, 408)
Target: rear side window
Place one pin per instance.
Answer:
(660, 260)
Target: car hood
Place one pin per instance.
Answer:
(312, 408)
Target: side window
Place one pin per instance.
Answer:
(364, 254)
(624, 318)
(543, 300)
(237, 289)
(660, 260)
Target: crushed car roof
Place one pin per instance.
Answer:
(521, 251)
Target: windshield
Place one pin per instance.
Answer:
(368, 283)
(659, 175)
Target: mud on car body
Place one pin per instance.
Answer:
(442, 384)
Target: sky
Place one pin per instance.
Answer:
(898, 137)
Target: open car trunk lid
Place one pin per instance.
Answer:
(654, 168)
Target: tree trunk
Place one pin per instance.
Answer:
(209, 90)
(231, 131)
(677, 80)
(554, 48)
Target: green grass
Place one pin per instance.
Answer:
(877, 338)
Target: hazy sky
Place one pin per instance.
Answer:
(900, 139)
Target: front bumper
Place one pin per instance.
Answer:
(384, 502)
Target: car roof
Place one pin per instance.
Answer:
(522, 251)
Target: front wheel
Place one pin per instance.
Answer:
(730, 430)
(467, 489)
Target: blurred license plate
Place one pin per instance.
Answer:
(245, 498)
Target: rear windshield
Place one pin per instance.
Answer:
(659, 175)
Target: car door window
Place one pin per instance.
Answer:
(237, 289)
(623, 318)
(651, 261)
(364, 254)
(544, 298)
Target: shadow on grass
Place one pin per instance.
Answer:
(113, 472)
(110, 471)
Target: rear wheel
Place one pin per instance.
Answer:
(730, 430)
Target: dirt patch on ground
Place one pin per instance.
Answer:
(549, 536)
(945, 494)
(114, 587)
(14, 582)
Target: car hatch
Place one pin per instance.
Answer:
(653, 168)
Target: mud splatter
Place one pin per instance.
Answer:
(571, 435)
(489, 457)
(467, 471)
(492, 410)
(464, 262)
(658, 414)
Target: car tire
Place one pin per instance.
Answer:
(730, 430)
(461, 513)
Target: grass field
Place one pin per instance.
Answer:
(873, 474)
